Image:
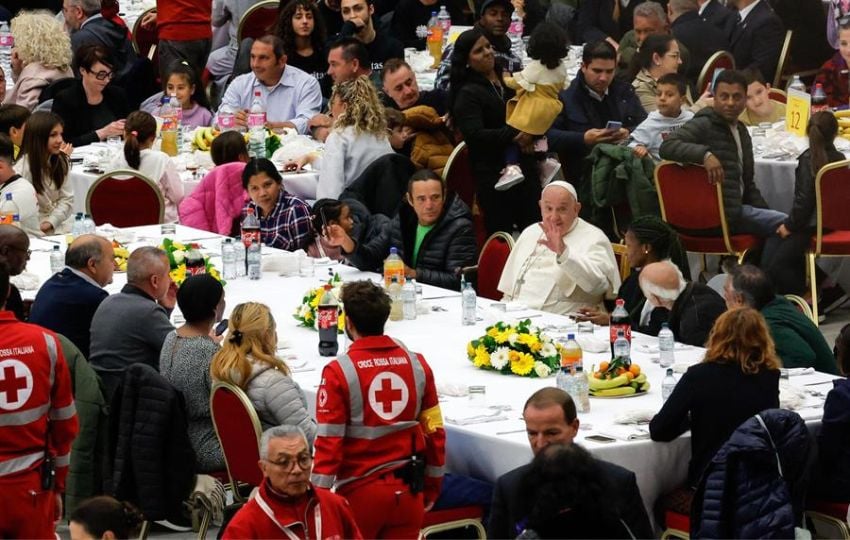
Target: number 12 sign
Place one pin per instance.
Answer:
(797, 112)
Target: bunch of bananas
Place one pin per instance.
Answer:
(619, 377)
(121, 254)
(204, 137)
(843, 118)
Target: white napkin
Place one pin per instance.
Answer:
(791, 397)
(590, 343)
(460, 413)
(625, 433)
(634, 416)
(452, 390)
(281, 262)
(795, 372)
(26, 281)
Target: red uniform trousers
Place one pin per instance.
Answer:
(384, 507)
(26, 511)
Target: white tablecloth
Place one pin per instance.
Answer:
(484, 451)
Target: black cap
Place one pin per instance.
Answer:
(487, 3)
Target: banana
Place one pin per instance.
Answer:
(603, 384)
(644, 387)
(640, 379)
(842, 114)
(620, 391)
(208, 135)
(844, 122)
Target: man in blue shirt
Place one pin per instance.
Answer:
(291, 96)
(67, 301)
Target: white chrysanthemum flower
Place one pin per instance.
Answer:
(179, 256)
(500, 357)
(548, 350)
(513, 337)
(542, 369)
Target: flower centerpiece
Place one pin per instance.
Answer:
(519, 349)
(177, 253)
(305, 313)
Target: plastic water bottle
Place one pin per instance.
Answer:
(78, 228)
(254, 260)
(434, 39)
(57, 260)
(393, 266)
(622, 348)
(408, 300)
(250, 228)
(819, 99)
(396, 308)
(177, 110)
(571, 353)
(666, 343)
(10, 214)
(797, 84)
(170, 128)
(468, 299)
(7, 41)
(228, 259)
(668, 384)
(444, 20)
(327, 314)
(88, 224)
(226, 120)
(581, 389)
(620, 320)
(515, 34)
(257, 127)
(564, 380)
(239, 258)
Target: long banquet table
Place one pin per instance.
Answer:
(485, 450)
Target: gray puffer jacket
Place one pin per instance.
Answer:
(278, 399)
(707, 131)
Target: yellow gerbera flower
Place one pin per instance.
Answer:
(470, 350)
(528, 339)
(178, 275)
(340, 323)
(482, 357)
(524, 365)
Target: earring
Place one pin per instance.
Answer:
(646, 251)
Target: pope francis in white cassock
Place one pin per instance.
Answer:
(562, 263)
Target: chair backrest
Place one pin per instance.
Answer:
(802, 306)
(144, 38)
(458, 174)
(257, 20)
(832, 191)
(782, 62)
(720, 59)
(491, 262)
(125, 198)
(622, 258)
(777, 95)
(50, 91)
(238, 429)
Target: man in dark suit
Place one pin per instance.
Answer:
(606, 20)
(716, 13)
(756, 36)
(701, 38)
(550, 418)
(67, 301)
(807, 19)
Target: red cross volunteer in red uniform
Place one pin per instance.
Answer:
(37, 416)
(380, 440)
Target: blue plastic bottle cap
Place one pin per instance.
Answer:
(571, 336)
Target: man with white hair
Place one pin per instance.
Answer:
(689, 309)
(563, 262)
(286, 505)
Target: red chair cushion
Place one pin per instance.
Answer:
(675, 520)
(125, 203)
(492, 261)
(709, 244)
(459, 177)
(259, 22)
(837, 510)
(435, 517)
(690, 202)
(834, 243)
(237, 436)
(724, 62)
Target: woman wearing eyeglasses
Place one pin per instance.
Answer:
(247, 360)
(93, 110)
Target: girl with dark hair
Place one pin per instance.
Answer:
(139, 136)
(45, 163)
(284, 219)
(648, 240)
(302, 30)
(477, 99)
(92, 109)
(536, 105)
(183, 82)
(105, 518)
(658, 55)
(229, 147)
(786, 266)
(565, 494)
(327, 212)
(185, 360)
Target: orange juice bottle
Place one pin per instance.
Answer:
(435, 39)
(571, 353)
(393, 266)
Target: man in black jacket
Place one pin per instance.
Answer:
(550, 418)
(701, 38)
(690, 309)
(756, 36)
(593, 99)
(716, 13)
(432, 233)
(359, 23)
(89, 27)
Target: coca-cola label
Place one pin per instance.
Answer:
(626, 328)
(327, 317)
(196, 269)
(248, 237)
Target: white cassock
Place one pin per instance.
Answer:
(584, 274)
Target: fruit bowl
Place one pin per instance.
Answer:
(617, 379)
(121, 256)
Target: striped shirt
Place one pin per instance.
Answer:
(287, 226)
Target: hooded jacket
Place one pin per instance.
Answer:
(798, 341)
(831, 479)
(448, 246)
(432, 145)
(710, 132)
(278, 399)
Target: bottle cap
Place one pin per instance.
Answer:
(665, 325)
(620, 302)
(571, 336)
(393, 251)
(669, 371)
(621, 334)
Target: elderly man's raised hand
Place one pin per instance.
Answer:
(552, 238)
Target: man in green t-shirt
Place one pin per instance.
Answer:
(432, 233)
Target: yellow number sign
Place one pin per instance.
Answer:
(797, 112)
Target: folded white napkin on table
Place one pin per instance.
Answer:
(590, 343)
(25, 281)
(452, 390)
(460, 413)
(634, 416)
(791, 397)
(624, 433)
(285, 262)
(795, 372)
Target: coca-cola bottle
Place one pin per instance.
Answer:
(250, 228)
(195, 262)
(620, 320)
(328, 319)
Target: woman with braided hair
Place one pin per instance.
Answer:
(648, 239)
